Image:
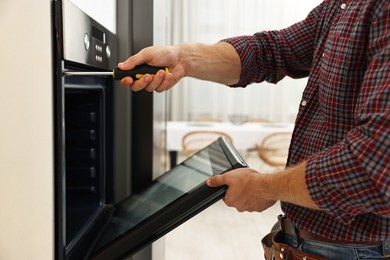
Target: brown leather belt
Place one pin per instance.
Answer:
(287, 227)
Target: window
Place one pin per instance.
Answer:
(210, 21)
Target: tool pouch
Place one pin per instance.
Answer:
(275, 249)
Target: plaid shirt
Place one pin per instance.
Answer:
(342, 127)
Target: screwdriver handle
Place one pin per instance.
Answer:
(136, 73)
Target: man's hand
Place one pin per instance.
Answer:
(246, 189)
(216, 62)
(249, 190)
(159, 56)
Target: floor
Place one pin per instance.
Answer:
(222, 233)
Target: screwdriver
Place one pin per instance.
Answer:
(118, 74)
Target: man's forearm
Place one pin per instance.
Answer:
(290, 186)
(218, 62)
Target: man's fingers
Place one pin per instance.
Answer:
(126, 81)
(166, 84)
(132, 62)
(156, 82)
(216, 181)
(141, 83)
(127, 64)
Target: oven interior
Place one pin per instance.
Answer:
(85, 158)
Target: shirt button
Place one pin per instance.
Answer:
(303, 103)
(343, 6)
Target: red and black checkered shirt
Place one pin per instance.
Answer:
(343, 125)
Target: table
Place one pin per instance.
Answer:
(245, 136)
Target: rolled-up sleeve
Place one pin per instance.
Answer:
(272, 55)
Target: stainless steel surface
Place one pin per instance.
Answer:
(87, 73)
(85, 41)
(76, 26)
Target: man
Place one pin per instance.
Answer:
(335, 192)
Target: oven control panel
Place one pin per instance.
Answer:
(85, 41)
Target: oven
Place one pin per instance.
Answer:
(109, 204)
(84, 127)
(100, 158)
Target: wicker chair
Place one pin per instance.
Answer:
(207, 119)
(194, 141)
(273, 149)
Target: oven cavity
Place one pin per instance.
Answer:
(85, 169)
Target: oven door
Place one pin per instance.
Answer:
(170, 200)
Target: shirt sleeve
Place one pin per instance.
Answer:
(353, 176)
(272, 55)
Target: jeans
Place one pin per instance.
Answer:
(337, 251)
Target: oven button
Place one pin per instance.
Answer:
(108, 51)
(86, 41)
(99, 58)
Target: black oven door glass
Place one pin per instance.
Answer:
(170, 200)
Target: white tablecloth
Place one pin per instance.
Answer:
(244, 136)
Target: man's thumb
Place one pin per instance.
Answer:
(215, 181)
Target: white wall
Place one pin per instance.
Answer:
(26, 131)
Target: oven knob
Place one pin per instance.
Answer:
(108, 51)
(86, 41)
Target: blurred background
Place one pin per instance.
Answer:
(221, 232)
(210, 21)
